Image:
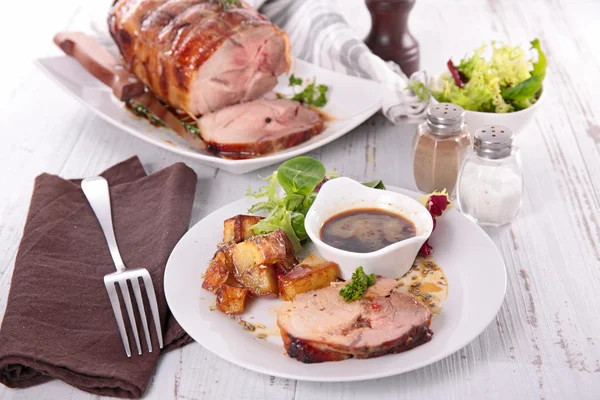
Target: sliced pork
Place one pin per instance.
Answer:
(197, 56)
(259, 127)
(320, 326)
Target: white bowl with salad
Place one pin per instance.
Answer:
(497, 84)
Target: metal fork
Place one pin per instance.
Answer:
(96, 192)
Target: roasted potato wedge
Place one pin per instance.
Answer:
(260, 250)
(218, 271)
(260, 280)
(231, 300)
(257, 261)
(311, 274)
(239, 228)
(313, 261)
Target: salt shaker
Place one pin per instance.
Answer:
(439, 148)
(490, 185)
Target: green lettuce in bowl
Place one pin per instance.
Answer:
(506, 81)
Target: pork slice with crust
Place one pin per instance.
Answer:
(320, 326)
(258, 127)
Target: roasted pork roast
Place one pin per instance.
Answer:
(320, 325)
(259, 127)
(197, 56)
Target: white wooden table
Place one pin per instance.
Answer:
(544, 343)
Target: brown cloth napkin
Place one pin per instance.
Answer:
(58, 321)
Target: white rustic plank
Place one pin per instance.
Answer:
(23, 44)
(544, 342)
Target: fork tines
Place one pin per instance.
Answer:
(121, 278)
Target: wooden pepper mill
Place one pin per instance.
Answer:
(389, 37)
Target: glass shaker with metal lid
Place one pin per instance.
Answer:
(439, 148)
(490, 185)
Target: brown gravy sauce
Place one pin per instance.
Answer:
(365, 230)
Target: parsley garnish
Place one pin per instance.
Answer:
(294, 81)
(357, 286)
(312, 94)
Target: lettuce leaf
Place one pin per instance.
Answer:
(539, 67)
(279, 218)
(523, 90)
(298, 178)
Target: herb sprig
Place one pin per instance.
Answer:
(227, 3)
(142, 111)
(357, 286)
(313, 94)
(190, 126)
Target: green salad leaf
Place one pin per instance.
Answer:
(278, 218)
(300, 175)
(524, 90)
(506, 81)
(539, 67)
(357, 286)
(378, 184)
(419, 89)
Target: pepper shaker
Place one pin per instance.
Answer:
(490, 185)
(390, 38)
(439, 148)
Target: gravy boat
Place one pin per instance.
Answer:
(343, 194)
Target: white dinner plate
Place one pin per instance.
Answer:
(476, 284)
(351, 101)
